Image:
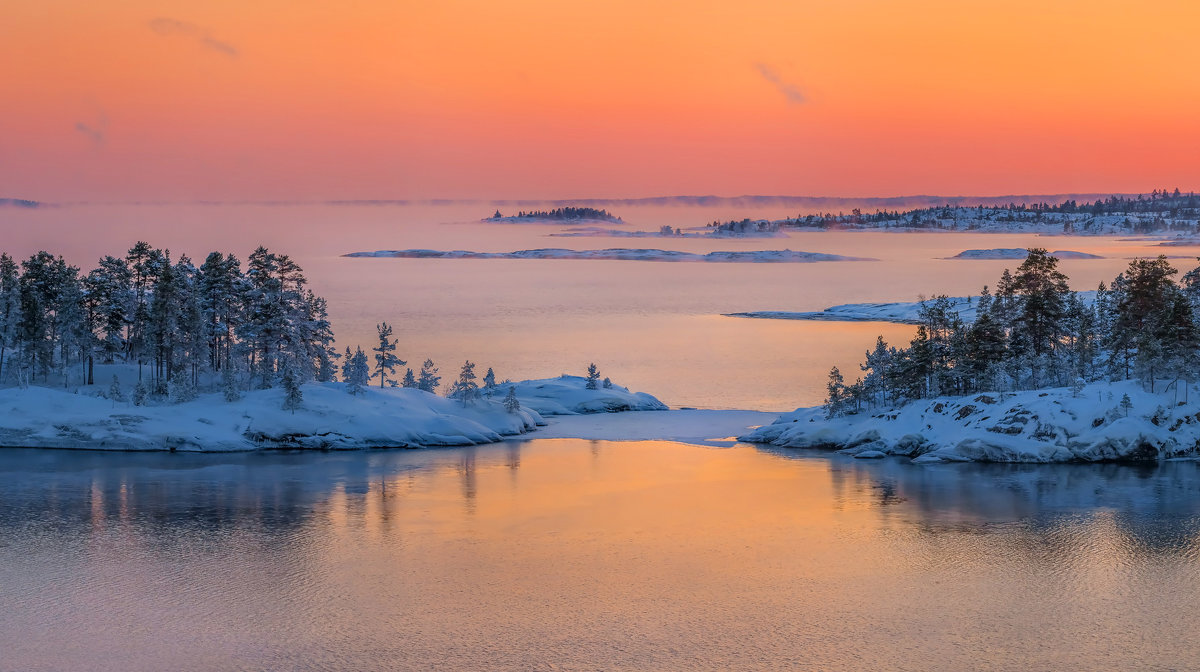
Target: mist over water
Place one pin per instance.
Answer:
(653, 326)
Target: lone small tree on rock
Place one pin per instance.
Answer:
(385, 361)
(593, 375)
(511, 404)
(465, 389)
(1126, 404)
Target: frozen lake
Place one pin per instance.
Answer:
(656, 327)
(570, 554)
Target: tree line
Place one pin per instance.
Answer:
(1033, 332)
(174, 320)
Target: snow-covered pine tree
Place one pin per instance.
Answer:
(489, 383)
(229, 385)
(511, 403)
(409, 379)
(835, 401)
(465, 389)
(607, 383)
(593, 375)
(1126, 404)
(293, 397)
(140, 393)
(347, 364)
(114, 390)
(428, 379)
(180, 387)
(360, 372)
(10, 311)
(385, 359)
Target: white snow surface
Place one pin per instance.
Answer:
(1050, 425)
(901, 312)
(621, 254)
(40, 417)
(1019, 253)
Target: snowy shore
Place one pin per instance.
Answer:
(1051, 425)
(330, 418)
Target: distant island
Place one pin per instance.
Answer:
(565, 214)
(1159, 212)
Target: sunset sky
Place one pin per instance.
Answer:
(366, 99)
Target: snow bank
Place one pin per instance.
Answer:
(620, 254)
(1019, 253)
(1033, 426)
(330, 419)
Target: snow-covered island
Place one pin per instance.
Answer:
(1019, 253)
(149, 353)
(623, 254)
(328, 419)
(744, 229)
(1034, 373)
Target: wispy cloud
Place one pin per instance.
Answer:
(790, 91)
(176, 28)
(95, 131)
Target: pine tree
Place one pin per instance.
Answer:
(428, 380)
(1126, 404)
(593, 375)
(465, 389)
(229, 386)
(10, 310)
(140, 393)
(114, 390)
(409, 379)
(607, 383)
(489, 383)
(347, 364)
(180, 387)
(385, 361)
(360, 374)
(293, 397)
(835, 402)
(511, 404)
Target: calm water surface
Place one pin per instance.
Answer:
(568, 554)
(655, 327)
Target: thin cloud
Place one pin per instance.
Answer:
(175, 28)
(790, 91)
(96, 132)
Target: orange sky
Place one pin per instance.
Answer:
(300, 99)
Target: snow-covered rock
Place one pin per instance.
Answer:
(902, 312)
(623, 254)
(1019, 253)
(568, 395)
(330, 418)
(1051, 425)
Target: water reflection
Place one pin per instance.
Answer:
(582, 554)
